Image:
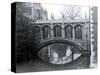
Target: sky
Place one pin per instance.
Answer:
(56, 9)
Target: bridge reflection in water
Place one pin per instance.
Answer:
(59, 53)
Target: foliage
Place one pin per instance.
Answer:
(71, 12)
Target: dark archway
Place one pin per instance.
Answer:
(57, 31)
(78, 31)
(46, 30)
(68, 31)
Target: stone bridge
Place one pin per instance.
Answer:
(74, 31)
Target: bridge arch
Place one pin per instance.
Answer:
(46, 31)
(47, 43)
(78, 25)
(68, 31)
(78, 31)
(57, 31)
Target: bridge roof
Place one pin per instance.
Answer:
(61, 21)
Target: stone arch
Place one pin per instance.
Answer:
(47, 43)
(78, 31)
(57, 31)
(68, 31)
(46, 31)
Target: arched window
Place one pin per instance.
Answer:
(57, 31)
(68, 31)
(46, 32)
(78, 32)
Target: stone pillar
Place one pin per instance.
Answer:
(83, 38)
(41, 32)
(63, 31)
(52, 33)
(84, 31)
(73, 33)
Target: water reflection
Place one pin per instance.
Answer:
(59, 53)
